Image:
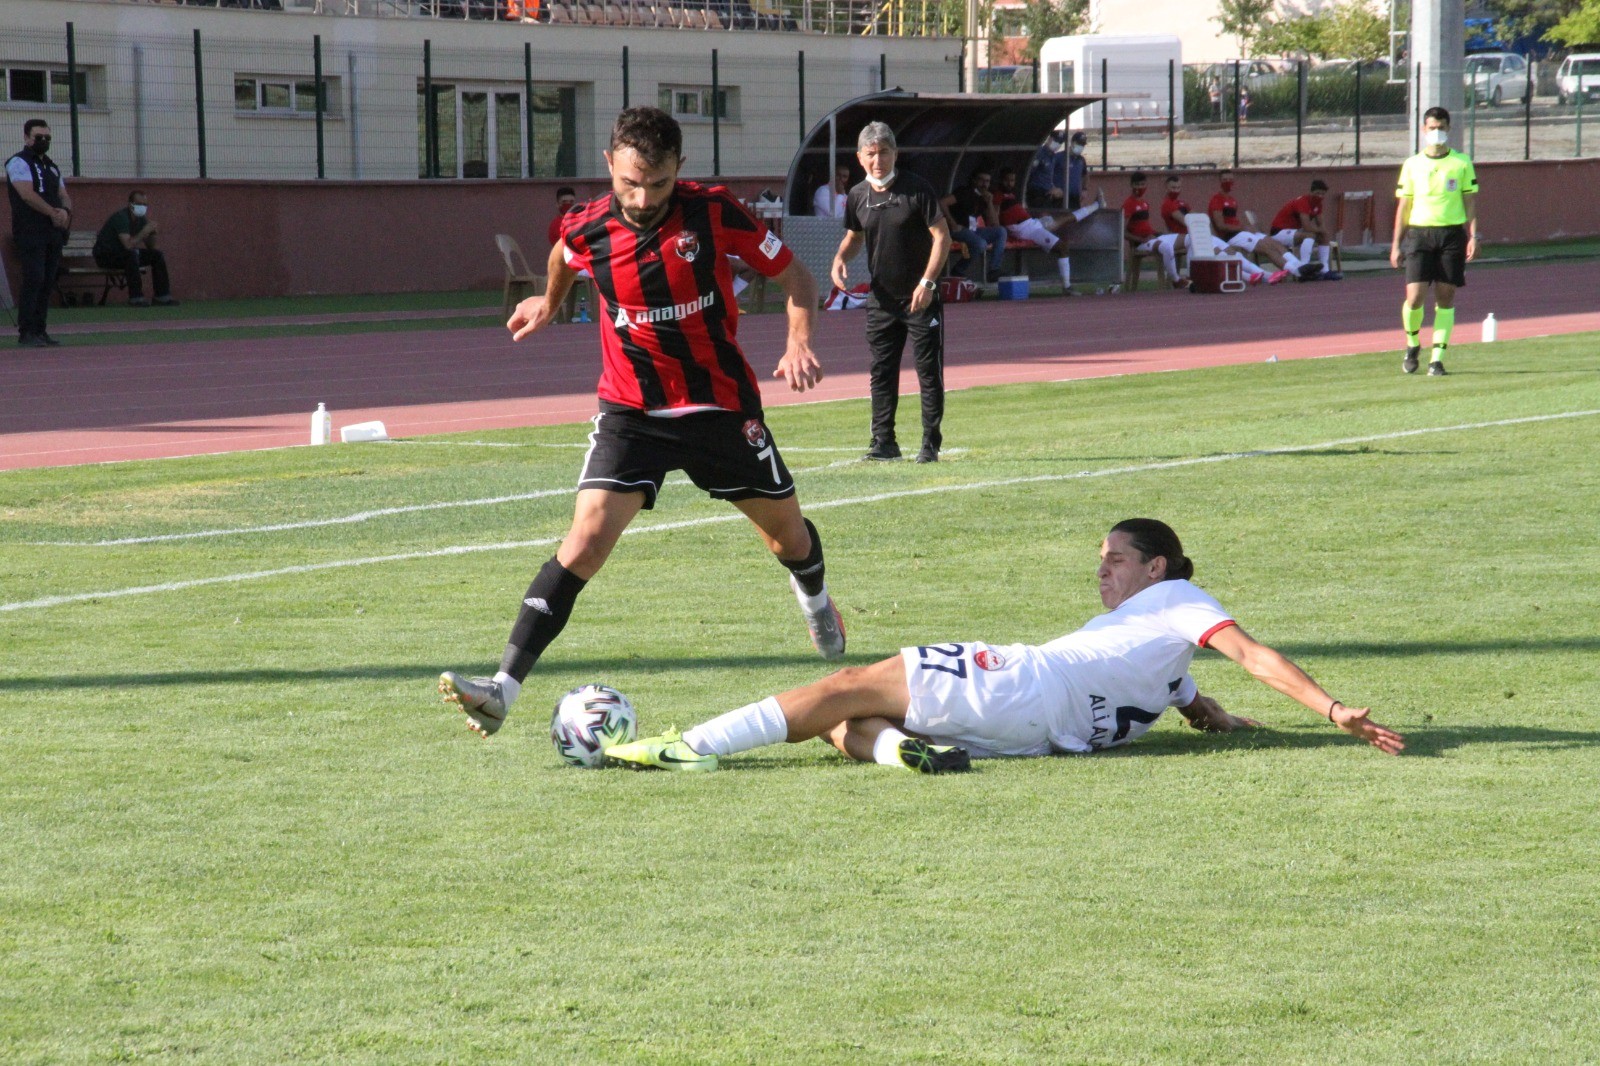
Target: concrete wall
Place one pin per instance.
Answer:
(244, 238)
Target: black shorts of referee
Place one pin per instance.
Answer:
(1436, 253)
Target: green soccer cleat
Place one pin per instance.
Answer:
(479, 698)
(927, 758)
(666, 752)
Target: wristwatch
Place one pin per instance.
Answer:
(926, 284)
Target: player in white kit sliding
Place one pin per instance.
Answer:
(933, 708)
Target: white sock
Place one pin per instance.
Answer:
(1084, 212)
(752, 726)
(1291, 262)
(509, 687)
(1305, 248)
(809, 602)
(886, 749)
(1065, 266)
(1322, 256)
(1247, 268)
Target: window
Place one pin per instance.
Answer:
(483, 131)
(41, 85)
(278, 95)
(693, 102)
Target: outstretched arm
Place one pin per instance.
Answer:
(1274, 669)
(799, 365)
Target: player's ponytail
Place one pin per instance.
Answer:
(1152, 537)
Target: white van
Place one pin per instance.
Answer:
(1136, 72)
(1579, 75)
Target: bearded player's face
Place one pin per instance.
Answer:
(642, 191)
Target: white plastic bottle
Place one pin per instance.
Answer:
(1491, 328)
(321, 425)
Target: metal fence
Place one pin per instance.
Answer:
(1299, 114)
(213, 107)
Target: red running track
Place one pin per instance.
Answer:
(137, 401)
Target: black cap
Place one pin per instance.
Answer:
(1080, 137)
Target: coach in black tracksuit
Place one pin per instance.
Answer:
(907, 243)
(41, 211)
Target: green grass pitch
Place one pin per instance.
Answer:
(237, 825)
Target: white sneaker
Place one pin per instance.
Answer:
(479, 698)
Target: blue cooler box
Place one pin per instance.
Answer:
(1014, 288)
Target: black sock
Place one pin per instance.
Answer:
(544, 614)
(810, 571)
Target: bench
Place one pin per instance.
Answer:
(79, 273)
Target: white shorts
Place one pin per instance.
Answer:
(1285, 237)
(1245, 241)
(990, 700)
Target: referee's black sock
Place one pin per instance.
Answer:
(810, 572)
(545, 610)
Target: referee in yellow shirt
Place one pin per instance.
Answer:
(1436, 229)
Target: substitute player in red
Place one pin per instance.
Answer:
(1227, 222)
(676, 392)
(1142, 236)
(1173, 209)
(936, 707)
(1298, 224)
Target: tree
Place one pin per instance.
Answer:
(1244, 19)
(1355, 31)
(1045, 19)
(1298, 35)
(1581, 26)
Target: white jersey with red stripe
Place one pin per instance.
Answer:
(1116, 675)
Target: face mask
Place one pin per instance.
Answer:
(1077, 149)
(1227, 186)
(1434, 138)
(139, 210)
(887, 181)
(41, 144)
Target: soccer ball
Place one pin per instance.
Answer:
(588, 720)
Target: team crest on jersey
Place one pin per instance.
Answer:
(988, 659)
(771, 246)
(755, 433)
(1452, 185)
(687, 246)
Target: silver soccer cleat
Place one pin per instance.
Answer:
(479, 698)
(827, 628)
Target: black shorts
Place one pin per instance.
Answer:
(729, 455)
(1436, 253)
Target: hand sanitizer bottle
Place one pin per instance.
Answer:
(1491, 328)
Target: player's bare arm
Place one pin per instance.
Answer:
(1402, 211)
(537, 312)
(840, 274)
(799, 365)
(923, 296)
(1275, 670)
(1469, 201)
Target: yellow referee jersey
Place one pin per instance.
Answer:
(1436, 187)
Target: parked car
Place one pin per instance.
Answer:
(1495, 77)
(1253, 73)
(1579, 76)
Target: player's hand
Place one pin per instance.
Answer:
(921, 297)
(1207, 715)
(1394, 255)
(530, 316)
(799, 367)
(1472, 248)
(1354, 720)
(840, 275)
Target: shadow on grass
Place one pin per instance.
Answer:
(1405, 649)
(1425, 742)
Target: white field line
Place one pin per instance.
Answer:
(661, 527)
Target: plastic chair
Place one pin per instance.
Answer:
(518, 275)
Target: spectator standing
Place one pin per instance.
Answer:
(899, 217)
(829, 200)
(974, 220)
(41, 214)
(1047, 176)
(127, 242)
(1077, 168)
(1436, 233)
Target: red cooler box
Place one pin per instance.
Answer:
(1215, 275)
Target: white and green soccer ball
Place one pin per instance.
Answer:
(588, 720)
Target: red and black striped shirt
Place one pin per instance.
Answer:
(668, 317)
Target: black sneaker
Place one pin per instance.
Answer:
(1308, 271)
(1436, 369)
(927, 758)
(1332, 275)
(49, 340)
(166, 301)
(883, 453)
(1410, 363)
(30, 340)
(928, 454)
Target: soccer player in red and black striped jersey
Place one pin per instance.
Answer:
(676, 392)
